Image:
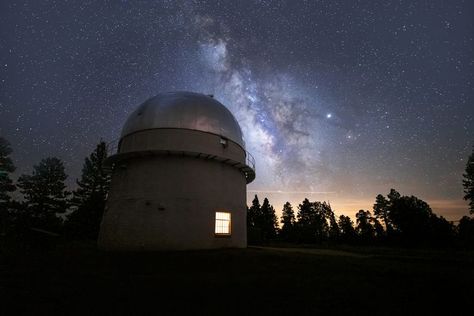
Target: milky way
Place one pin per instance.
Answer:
(337, 100)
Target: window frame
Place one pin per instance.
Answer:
(229, 234)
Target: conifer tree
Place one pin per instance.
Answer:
(90, 196)
(288, 221)
(466, 231)
(468, 182)
(381, 211)
(269, 221)
(305, 213)
(411, 221)
(254, 213)
(254, 233)
(6, 183)
(320, 224)
(346, 226)
(308, 222)
(364, 227)
(378, 228)
(45, 193)
(333, 227)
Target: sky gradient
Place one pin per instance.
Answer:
(337, 100)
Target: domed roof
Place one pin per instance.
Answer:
(185, 110)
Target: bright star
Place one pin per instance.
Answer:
(329, 115)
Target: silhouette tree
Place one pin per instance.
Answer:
(378, 228)
(269, 223)
(305, 222)
(90, 196)
(347, 231)
(364, 228)
(320, 225)
(6, 183)
(333, 231)
(313, 225)
(468, 182)
(392, 196)
(288, 221)
(466, 231)
(254, 221)
(254, 213)
(442, 231)
(45, 193)
(412, 219)
(381, 209)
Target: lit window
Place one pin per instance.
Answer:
(222, 223)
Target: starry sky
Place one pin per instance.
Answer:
(337, 100)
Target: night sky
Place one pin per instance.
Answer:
(338, 100)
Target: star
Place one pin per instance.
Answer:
(310, 93)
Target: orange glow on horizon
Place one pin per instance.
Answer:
(451, 209)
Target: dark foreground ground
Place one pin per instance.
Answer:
(78, 279)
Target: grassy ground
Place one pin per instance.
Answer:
(78, 279)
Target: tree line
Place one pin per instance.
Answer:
(394, 220)
(45, 206)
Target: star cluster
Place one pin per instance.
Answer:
(338, 100)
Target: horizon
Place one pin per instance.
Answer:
(330, 96)
(452, 210)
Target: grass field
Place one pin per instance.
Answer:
(78, 279)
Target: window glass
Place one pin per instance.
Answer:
(222, 223)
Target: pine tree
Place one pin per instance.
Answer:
(254, 213)
(305, 213)
(254, 233)
(393, 196)
(90, 196)
(346, 226)
(45, 193)
(269, 221)
(6, 183)
(468, 182)
(381, 211)
(466, 231)
(409, 220)
(333, 227)
(364, 228)
(288, 221)
(310, 221)
(320, 224)
(378, 228)
(412, 219)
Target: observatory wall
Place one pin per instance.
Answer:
(167, 185)
(174, 139)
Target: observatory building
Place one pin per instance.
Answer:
(178, 178)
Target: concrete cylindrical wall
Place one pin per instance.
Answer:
(167, 185)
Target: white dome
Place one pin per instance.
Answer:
(186, 110)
